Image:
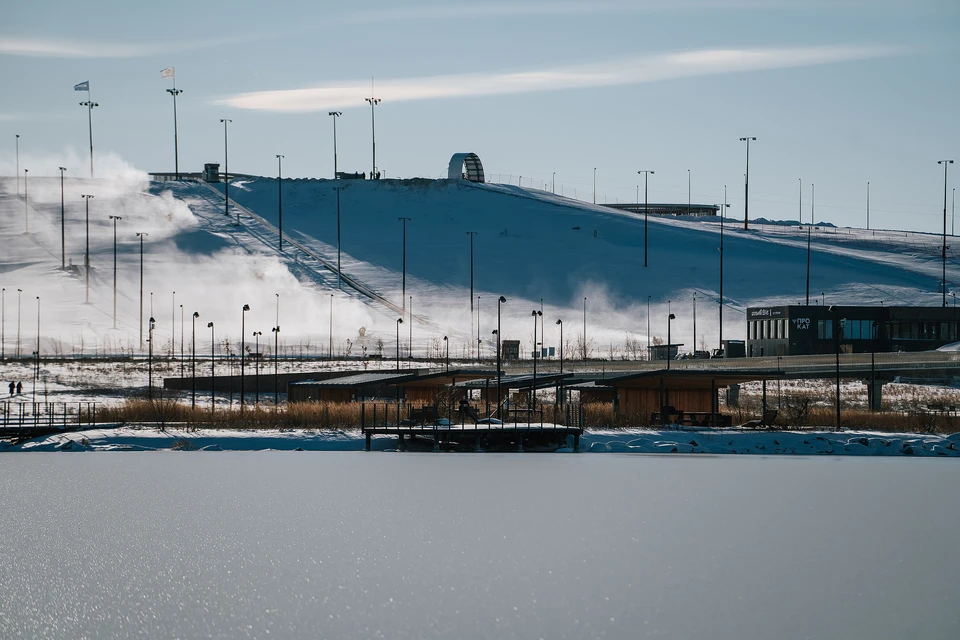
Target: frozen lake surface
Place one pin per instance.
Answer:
(353, 545)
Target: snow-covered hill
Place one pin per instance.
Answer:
(530, 246)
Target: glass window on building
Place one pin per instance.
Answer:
(825, 329)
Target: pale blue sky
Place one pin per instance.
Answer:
(837, 93)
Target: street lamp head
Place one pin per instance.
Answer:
(444, 338)
(196, 314)
(399, 320)
(536, 313)
(502, 299)
(152, 322)
(210, 324)
(116, 218)
(281, 156)
(672, 317)
(246, 307)
(748, 138)
(938, 162)
(495, 332)
(559, 321)
(62, 168)
(225, 120)
(334, 113)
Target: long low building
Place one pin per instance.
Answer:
(662, 209)
(809, 330)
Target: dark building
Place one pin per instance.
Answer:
(805, 330)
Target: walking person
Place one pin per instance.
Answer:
(19, 388)
(13, 387)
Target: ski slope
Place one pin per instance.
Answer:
(530, 246)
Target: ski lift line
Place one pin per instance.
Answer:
(356, 285)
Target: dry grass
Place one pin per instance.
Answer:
(796, 411)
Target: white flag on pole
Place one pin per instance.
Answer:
(83, 86)
(166, 73)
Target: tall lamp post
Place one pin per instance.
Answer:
(174, 92)
(256, 364)
(339, 279)
(646, 173)
(36, 371)
(373, 129)
(471, 234)
(670, 318)
(18, 164)
(533, 388)
(213, 370)
(584, 329)
(746, 184)
(868, 205)
(243, 360)
(403, 292)
(723, 213)
(115, 220)
(141, 234)
(837, 329)
(560, 322)
(63, 224)
(399, 322)
(3, 324)
(594, 185)
(276, 365)
(89, 104)
(335, 114)
(280, 196)
(26, 203)
(688, 204)
(86, 255)
(446, 344)
(226, 171)
(152, 322)
(945, 163)
(500, 301)
(193, 362)
(809, 232)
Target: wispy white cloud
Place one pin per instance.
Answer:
(45, 47)
(640, 69)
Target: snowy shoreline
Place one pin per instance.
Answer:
(727, 441)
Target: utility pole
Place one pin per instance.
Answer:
(115, 220)
(746, 185)
(471, 234)
(280, 196)
(373, 128)
(63, 224)
(86, 257)
(335, 114)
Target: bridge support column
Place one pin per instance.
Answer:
(874, 394)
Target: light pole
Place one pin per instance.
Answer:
(446, 344)
(36, 371)
(868, 205)
(63, 224)
(213, 371)
(339, 279)
(746, 184)
(809, 231)
(256, 364)
(280, 196)
(648, 326)
(150, 357)
(182, 355)
(553, 183)
(560, 322)
(193, 361)
(115, 220)
(594, 185)
(226, 172)
(89, 104)
(86, 256)
(837, 328)
(500, 301)
(403, 292)
(174, 92)
(243, 360)
(688, 209)
(944, 281)
(670, 318)
(3, 324)
(399, 322)
(18, 164)
(723, 213)
(478, 329)
(646, 173)
(173, 325)
(141, 234)
(330, 349)
(335, 114)
(26, 205)
(19, 294)
(694, 322)
(471, 234)
(373, 129)
(533, 389)
(276, 365)
(584, 329)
